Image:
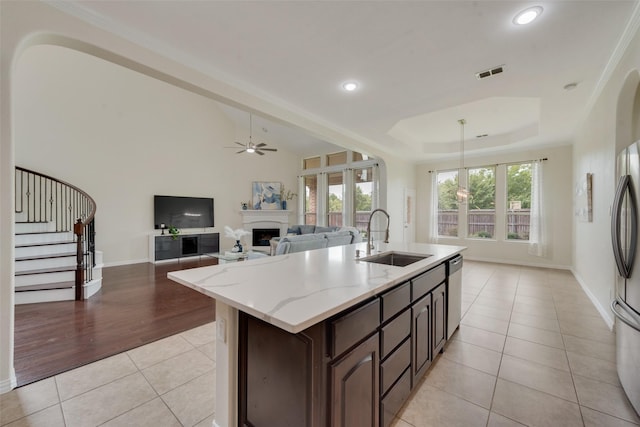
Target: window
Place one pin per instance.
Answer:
(341, 189)
(336, 196)
(447, 203)
(518, 201)
(310, 199)
(363, 197)
(481, 204)
(337, 158)
(311, 163)
(358, 157)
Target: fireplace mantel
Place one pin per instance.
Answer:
(265, 219)
(279, 216)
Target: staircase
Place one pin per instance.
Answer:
(55, 257)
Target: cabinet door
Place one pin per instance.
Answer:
(439, 306)
(355, 386)
(280, 375)
(421, 338)
(167, 247)
(209, 243)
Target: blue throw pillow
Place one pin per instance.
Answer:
(293, 230)
(307, 229)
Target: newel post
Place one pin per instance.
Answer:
(78, 229)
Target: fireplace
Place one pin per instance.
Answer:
(261, 236)
(264, 225)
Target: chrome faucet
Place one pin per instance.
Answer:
(386, 235)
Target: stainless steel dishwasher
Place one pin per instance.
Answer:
(454, 294)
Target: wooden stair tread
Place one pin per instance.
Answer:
(46, 270)
(45, 287)
(49, 256)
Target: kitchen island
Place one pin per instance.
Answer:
(286, 326)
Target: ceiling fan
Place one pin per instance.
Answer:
(250, 147)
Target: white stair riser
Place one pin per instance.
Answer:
(97, 272)
(21, 216)
(39, 279)
(37, 264)
(35, 227)
(92, 287)
(31, 297)
(34, 239)
(28, 251)
(98, 259)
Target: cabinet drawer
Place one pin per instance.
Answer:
(394, 333)
(391, 368)
(395, 301)
(422, 284)
(348, 330)
(394, 400)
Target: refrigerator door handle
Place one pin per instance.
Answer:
(625, 266)
(624, 314)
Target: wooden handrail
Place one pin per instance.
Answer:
(43, 198)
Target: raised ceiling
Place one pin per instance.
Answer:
(415, 62)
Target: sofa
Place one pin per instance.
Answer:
(308, 237)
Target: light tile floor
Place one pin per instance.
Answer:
(531, 350)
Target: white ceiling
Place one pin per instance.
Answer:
(415, 62)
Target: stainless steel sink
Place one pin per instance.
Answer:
(399, 259)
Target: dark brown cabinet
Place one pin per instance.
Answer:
(355, 385)
(356, 368)
(281, 375)
(439, 307)
(420, 337)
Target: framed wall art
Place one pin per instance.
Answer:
(266, 195)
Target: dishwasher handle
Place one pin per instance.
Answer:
(454, 265)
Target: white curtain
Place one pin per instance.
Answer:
(433, 217)
(537, 228)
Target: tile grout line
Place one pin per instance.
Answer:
(495, 385)
(573, 383)
(502, 356)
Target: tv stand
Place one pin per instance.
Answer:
(165, 247)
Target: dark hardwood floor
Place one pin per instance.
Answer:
(136, 305)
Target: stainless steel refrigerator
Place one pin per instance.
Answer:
(626, 305)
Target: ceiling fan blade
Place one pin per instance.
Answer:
(262, 144)
(240, 143)
(269, 149)
(241, 151)
(259, 152)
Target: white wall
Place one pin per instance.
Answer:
(594, 151)
(123, 137)
(557, 187)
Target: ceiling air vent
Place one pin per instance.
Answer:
(490, 72)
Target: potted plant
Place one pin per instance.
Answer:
(286, 195)
(173, 230)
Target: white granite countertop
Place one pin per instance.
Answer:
(298, 290)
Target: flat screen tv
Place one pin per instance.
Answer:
(182, 212)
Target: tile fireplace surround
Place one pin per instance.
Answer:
(265, 219)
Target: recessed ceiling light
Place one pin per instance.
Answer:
(527, 16)
(350, 86)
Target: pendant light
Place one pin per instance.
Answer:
(462, 192)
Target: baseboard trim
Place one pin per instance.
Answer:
(519, 263)
(8, 384)
(118, 263)
(606, 315)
